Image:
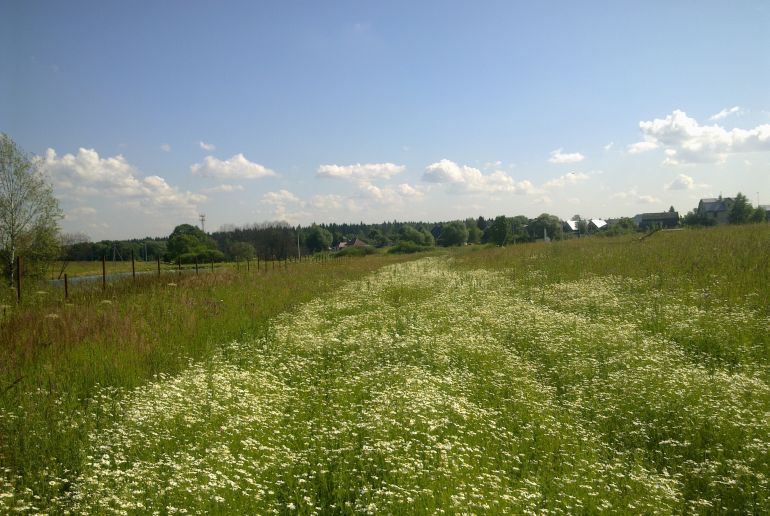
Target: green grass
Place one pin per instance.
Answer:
(593, 375)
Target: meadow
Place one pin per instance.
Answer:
(610, 375)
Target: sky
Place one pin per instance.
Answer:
(144, 115)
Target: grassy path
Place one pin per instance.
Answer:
(424, 388)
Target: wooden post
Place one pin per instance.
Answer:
(133, 266)
(179, 264)
(212, 265)
(196, 265)
(248, 267)
(104, 273)
(18, 279)
(273, 262)
(66, 287)
(158, 258)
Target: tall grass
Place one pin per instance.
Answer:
(56, 354)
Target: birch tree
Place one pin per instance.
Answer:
(29, 212)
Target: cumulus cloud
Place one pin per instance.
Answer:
(570, 178)
(326, 202)
(609, 146)
(725, 113)
(684, 182)
(208, 147)
(465, 179)
(224, 188)
(88, 174)
(684, 140)
(640, 147)
(165, 147)
(634, 196)
(360, 172)
(285, 206)
(236, 167)
(558, 156)
(280, 197)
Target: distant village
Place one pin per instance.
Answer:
(279, 240)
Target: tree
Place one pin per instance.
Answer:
(190, 241)
(453, 233)
(758, 215)
(474, 231)
(317, 239)
(29, 213)
(499, 231)
(740, 211)
(243, 250)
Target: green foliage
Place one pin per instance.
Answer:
(189, 241)
(29, 212)
(741, 210)
(317, 239)
(758, 215)
(242, 250)
(453, 234)
(409, 233)
(407, 247)
(550, 223)
(363, 250)
(474, 231)
(499, 231)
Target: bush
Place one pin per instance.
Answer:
(206, 256)
(407, 247)
(356, 251)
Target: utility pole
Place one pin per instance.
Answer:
(299, 258)
(202, 218)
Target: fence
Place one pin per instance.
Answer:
(67, 283)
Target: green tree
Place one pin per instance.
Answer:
(453, 233)
(545, 223)
(499, 231)
(242, 250)
(758, 215)
(474, 232)
(189, 240)
(317, 239)
(29, 212)
(740, 211)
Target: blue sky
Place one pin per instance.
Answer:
(145, 114)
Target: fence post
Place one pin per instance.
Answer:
(18, 279)
(158, 258)
(196, 265)
(212, 265)
(248, 267)
(179, 264)
(66, 287)
(133, 266)
(104, 273)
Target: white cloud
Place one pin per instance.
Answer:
(465, 179)
(207, 146)
(165, 147)
(570, 178)
(686, 141)
(725, 113)
(326, 202)
(80, 211)
(634, 196)
(640, 147)
(87, 174)
(236, 167)
(609, 146)
(407, 190)
(224, 188)
(360, 172)
(558, 156)
(684, 182)
(280, 197)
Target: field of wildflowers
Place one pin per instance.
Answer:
(490, 381)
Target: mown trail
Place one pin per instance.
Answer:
(425, 389)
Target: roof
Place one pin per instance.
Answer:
(598, 223)
(573, 224)
(712, 204)
(663, 215)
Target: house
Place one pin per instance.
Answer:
(715, 210)
(356, 242)
(570, 226)
(664, 219)
(596, 224)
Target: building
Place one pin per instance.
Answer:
(570, 226)
(715, 210)
(596, 224)
(664, 219)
